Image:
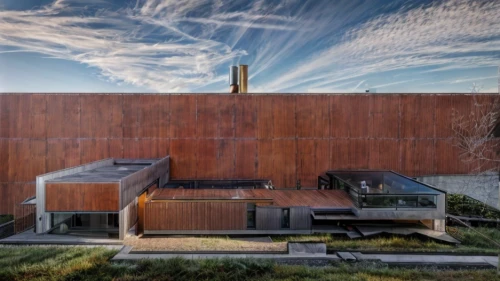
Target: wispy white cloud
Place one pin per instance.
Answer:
(170, 45)
(124, 48)
(447, 34)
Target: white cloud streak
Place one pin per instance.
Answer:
(172, 46)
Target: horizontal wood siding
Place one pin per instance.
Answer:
(300, 218)
(195, 216)
(91, 197)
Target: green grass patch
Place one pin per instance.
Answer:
(6, 218)
(78, 263)
(471, 238)
(471, 243)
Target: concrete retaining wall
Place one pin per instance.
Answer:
(480, 187)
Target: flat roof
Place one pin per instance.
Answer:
(280, 198)
(112, 173)
(382, 181)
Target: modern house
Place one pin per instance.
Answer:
(114, 195)
(226, 141)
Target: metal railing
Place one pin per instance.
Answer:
(24, 217)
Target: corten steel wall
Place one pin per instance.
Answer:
(195, 216)
(81, 197)
(282, 137)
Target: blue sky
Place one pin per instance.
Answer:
(290, 45)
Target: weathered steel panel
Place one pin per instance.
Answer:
(164, 116)
(384, 111)
(182, 116)
(417, 116)
(101, 116)
(265, 115)
(207, 116)
(306, 162)
(206, 166)
(245, 116)
(384, 154)
(408, 157)
(284, 160)
(226, 107)
(4, 162)
(91, 197)
(359, 153)
(360, 119)
(140, 148)
(183, 154)
(448, 158)
(339, 150)
(63, 116)
(265, 159)
(339, 116)
(245, 159)
(38, 115)
(313, 116)
(284, 123)
(225, 158)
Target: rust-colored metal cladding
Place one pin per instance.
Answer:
(282, 137)
(225, 158)
(206, 165)
(183, 116)
(245, 116)
(284, 125)
(243, 79)
(12, 194)
(384, 111)
(245, 159)
(81, 197)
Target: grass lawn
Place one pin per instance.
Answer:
(471, 242)
(78, 263)
(6, 218)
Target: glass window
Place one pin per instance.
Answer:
(250, 215)
(250, 219)
(285, 218)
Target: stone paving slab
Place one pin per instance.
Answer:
(346, 256)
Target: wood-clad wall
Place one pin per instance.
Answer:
(195, 216)
(81, 197)
(281, 137)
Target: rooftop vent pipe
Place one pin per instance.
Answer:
(233, 79)
(243, 78)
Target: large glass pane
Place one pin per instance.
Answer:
(427, 201)
(250, 219)
(285, 218)
(380, 201)
(407, 201)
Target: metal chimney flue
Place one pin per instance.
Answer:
(233, 79)
(243, 79)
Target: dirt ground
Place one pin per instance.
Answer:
(200, 244)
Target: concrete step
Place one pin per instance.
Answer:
(346, 256)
